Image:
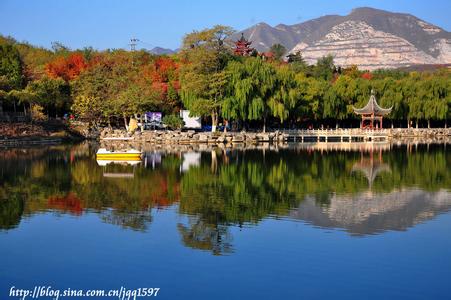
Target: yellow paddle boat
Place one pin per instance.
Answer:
(129, 155)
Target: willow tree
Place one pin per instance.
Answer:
(286, 95)
(411, 96)
(257, 90)
(341, 96)
(434, 92)
(312, 91)
(203, 81)
(391, 94)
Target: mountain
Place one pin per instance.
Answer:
(161, 51)
(367, 37)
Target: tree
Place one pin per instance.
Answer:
(132, 101)
(411, 96)
(312, 91)
(297, 62)
(10, 67)
(338, 97)
(391, 95)
(67, 68)
(250, 86)
(257, 90)
(286, 94)
(352, 71)
(88, 108)
(324, 67)
(278, 50)
(52, 94)
(163, 76)
(59, 48)
(34, 60)
(93, 93)
(203, 81)
(434, 92)
(173, 121)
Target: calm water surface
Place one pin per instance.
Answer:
(235, 224)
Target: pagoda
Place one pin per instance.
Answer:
(242, 47)
(372, 113)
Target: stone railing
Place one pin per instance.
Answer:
(336, 132)
(420, 132)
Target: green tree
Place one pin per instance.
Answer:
(173, 121)
(258, 90)
(297, 63)
(133, 101)
(433, 91)
(251, 85)
(324, 68)
(52, 94)
(203, 81)
(10, 67)
(278, 50)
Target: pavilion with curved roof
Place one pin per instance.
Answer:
(372, 113)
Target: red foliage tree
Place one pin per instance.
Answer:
(163, 71)
(67, 68)
(367, 76)
(162, 75)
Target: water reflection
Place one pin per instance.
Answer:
(363, 192)
(370, 166)
(370, 213)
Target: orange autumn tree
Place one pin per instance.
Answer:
(67, 68)
(367, 75)
(164, 76)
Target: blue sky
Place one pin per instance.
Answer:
(110, 24)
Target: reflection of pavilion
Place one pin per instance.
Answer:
(371, 213)
(371, 167)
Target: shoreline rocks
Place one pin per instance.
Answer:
(192, 137)
(30, 141)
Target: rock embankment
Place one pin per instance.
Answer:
(192, 137)
(18, 134)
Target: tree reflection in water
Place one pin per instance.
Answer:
(220, 188)
(200, 235)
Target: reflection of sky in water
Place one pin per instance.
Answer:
(194, 223)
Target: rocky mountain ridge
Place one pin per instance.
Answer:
(367, 37)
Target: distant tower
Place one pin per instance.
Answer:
(133, 42)
(242, 47)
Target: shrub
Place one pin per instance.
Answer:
(37, 113)
(173, 121)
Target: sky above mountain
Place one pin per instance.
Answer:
(110, 24)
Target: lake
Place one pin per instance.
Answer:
(271, 223)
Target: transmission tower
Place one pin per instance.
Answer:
(133, 42)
